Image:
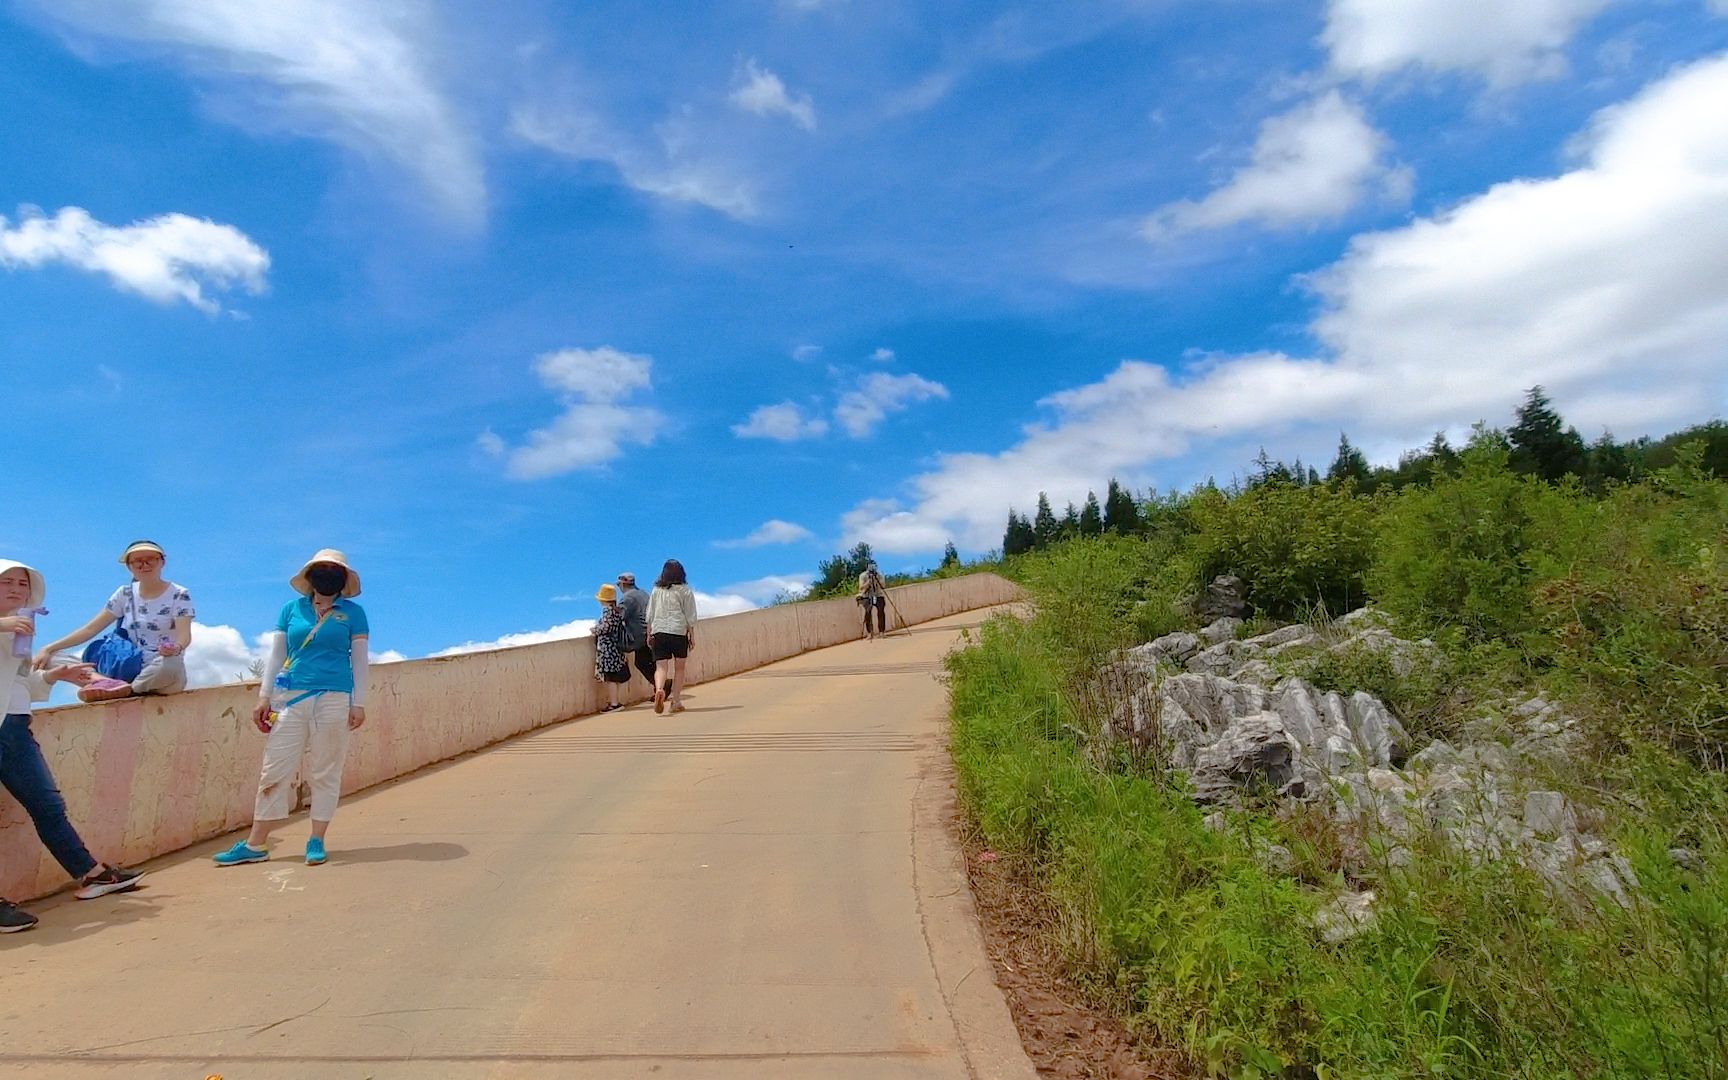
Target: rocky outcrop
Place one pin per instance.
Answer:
(1219, 710)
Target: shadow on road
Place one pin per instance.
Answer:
(417, 852)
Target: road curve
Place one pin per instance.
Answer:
(763, 886)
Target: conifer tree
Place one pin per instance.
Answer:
(1091, 517)
(1350, 464)
(1541, 443)
(1121, 514)
(950, 556)
(1070, 525)
(1044, 527)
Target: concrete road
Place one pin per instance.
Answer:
(763, 886)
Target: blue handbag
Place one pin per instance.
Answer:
(115, 655)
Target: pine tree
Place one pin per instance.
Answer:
(1017, 540)
(1350, 464)
(1070, 525)
(1044, 527)
(1091, 517)
(1541, 444)
(950, 556)
(1121, 514)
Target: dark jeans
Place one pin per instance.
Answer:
(25, 774)
(880, 604)
(645, 663)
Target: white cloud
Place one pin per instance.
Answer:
(575, 628)
(784, 422)
(772, 531)
(1312, 164)
(596, 423)
(671, 168)
(1607, 284)
(713, 605)
(878, 394)
(763, 590)
(358, 74)
(760, 91)
(1504, 41)
(603, 374)
(219, 655)
(1720, 7)
(882, 356)
(165, 259)
(806, 353)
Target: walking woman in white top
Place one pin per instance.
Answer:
(671, 632)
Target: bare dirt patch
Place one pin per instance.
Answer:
(1065, 1035)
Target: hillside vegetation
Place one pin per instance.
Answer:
(1605, 592)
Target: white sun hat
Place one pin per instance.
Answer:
(334, 558)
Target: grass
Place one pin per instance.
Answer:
(1471, 970)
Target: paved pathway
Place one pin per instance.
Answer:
(763, 886)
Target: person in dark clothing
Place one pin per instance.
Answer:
(633, 602)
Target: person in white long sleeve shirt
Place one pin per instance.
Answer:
(671, 633)
(23, 770)
(312, 695)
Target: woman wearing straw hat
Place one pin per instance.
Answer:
(610, 667)
(312, 695)
(156, 615)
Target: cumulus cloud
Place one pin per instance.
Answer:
(708, 605)
(358, 74)
(883, 356)
(784, 422)
(772, 531)
(760, 91)
(1312, 164)
(764, 590)
(167, 259)
(670, 166)
(1607, 284)
(575, 628)
(878, 394)
(1503, 41)
(596, 423)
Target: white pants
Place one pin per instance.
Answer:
(161, 675)
(316, 728)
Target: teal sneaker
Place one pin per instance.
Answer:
(314, 851)
(241, 852)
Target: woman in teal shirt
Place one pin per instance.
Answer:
(312, 695)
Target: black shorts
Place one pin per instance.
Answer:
(622, 675)
(670, 646)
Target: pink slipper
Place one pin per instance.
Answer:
(104, 690)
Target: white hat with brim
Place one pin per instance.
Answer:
(334, 558)
(140, 545)
(38, 587)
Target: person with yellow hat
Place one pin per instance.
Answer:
(154, 614)
(610, 667)
(312, 695)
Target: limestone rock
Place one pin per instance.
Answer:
(1219, 631)
(1345, 917)
(1226, 597)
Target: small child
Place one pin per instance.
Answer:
(23, 770)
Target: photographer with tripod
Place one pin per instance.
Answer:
(873, 596)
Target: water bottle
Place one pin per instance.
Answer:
(22, 644)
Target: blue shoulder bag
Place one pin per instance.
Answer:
(115, 655)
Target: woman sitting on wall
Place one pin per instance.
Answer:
(157, 617)
(312, 695)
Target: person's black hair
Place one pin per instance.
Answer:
(670, 574)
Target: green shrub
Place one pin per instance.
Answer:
(1296, 547)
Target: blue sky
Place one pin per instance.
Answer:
(504, 298)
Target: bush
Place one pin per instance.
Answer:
(1296, 547)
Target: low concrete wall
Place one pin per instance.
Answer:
(146, 776)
